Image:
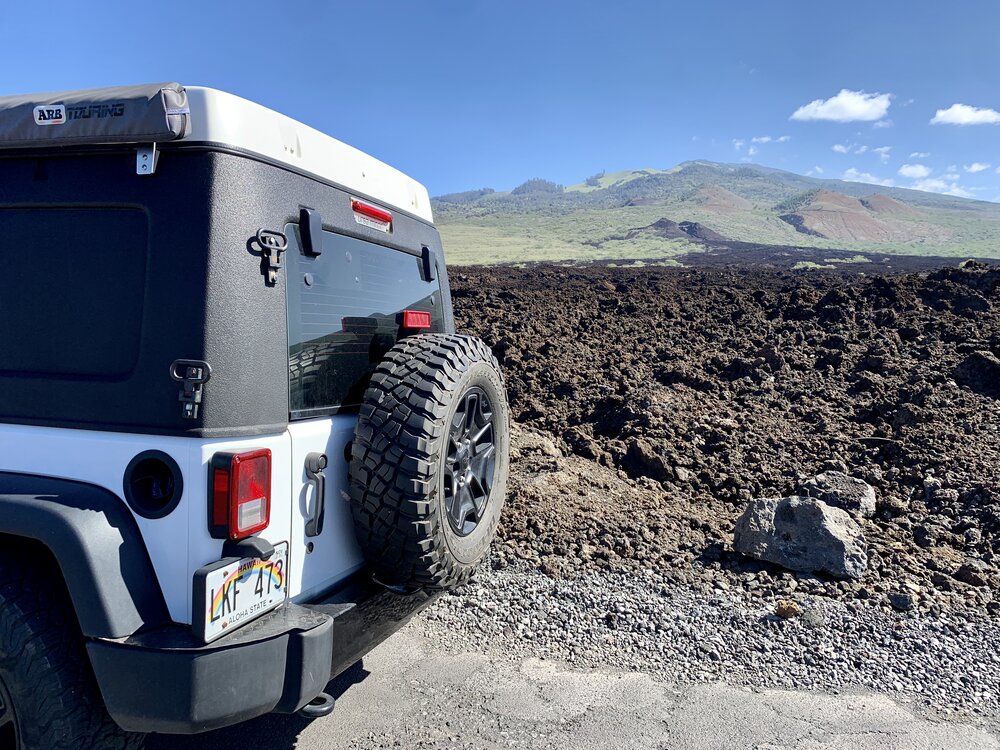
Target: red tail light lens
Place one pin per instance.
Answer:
(372, 212)
(416, 319)
(240, 504)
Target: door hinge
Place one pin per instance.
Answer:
(272, 245)
(192, 374)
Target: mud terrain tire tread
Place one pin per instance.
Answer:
(45, 665)
(396, 455)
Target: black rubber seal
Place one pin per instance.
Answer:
(139, 505)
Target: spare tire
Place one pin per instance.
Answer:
(429, 461)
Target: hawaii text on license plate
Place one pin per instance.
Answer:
(230, 593)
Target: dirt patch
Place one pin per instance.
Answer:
(841, 217)
(883, 204)
(653, 403)
(717, 198)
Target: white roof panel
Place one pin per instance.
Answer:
(218, 117)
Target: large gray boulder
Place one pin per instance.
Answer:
(804, 534)
(842, 491)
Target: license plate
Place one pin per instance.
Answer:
(230, 593)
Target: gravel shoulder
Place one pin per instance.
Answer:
(434, 685)
(940, 667)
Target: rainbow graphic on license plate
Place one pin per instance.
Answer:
(242, 590)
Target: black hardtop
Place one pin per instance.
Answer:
(126, 274)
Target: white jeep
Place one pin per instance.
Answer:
(240, 441)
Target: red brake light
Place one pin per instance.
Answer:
(241, 494)
(372, 212)
(416, 319)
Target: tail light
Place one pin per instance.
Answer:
(416, 319)
(240, 486)
(372, 212)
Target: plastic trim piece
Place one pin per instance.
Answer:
(311, 229)
(98, 546)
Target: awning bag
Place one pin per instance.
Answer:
(152, 113)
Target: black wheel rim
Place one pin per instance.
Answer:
(9, 734)
(470, 464)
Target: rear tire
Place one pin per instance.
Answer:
(429, 461)
(51, 699)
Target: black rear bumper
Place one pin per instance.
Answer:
(165, 681)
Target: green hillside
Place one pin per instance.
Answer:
(745, 203)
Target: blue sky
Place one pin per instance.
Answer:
(471, 94)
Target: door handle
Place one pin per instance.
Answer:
(315, 463)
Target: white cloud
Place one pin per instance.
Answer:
(761, 139)
(860, 149)
(814, 170)
(883, 153)
(963, 114)
(883, 124)
(998, 170)
(752, 151)
(952, 176)
(841, 148)
(847, 106)
(914, 171)
(738, 144)
(919, 154)
(938, 185)
(976, 166)
(853, 175)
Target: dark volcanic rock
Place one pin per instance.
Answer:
(701, 232)
(724, 373)
(642, 460)
(901, 600)
(980, 371)
(842, 491)
(972, 575)
(801, 533)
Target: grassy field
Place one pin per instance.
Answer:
(531, 237)
(610, 179)
(533, 241)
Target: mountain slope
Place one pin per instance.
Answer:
(741, 202)
(873, 219)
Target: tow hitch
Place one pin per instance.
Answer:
(320, 706)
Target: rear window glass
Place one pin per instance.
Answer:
(344, 310)
(72, 284)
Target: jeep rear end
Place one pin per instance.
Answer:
(196, 294)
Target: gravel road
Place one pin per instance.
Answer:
(445, 683)
(945, 666)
